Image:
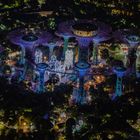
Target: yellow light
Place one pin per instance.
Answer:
(90, 82)
(98, 77)
(59, 119)
(24, 123)
(56, 127)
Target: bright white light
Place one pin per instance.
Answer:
(69, 59)
(38, 56)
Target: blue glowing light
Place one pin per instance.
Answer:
(41, 67)
(84, 41)
(120, 72)
(82, 67)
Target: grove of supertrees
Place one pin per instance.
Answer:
(79, 78)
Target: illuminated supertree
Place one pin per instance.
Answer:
(66, 37)
(132, 40)
(28, 41)
(64, 31)
(41, 68)
(83, 48)
(120, 72)
(96, 41)
(83, 31)
(82, 68)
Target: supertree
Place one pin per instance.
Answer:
(66, 37)
(52, 44)
(82, 68)
(132, 40)
(120, 72)
(83, 42)
(84, 31)
(96, 42)
(41, 68)
(28, 40)
(64, 31)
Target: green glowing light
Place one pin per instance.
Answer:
(52, 23)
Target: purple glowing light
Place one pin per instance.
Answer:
(100, 38)
(65, 28)
(19, 37)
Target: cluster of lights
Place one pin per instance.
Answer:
(112, 5)
(99, 79)
(14, 54)
(84, 33)
(10, 62)
(121, 12)
(51, 23)
(2, 27)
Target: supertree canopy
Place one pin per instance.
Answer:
(28, 40)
